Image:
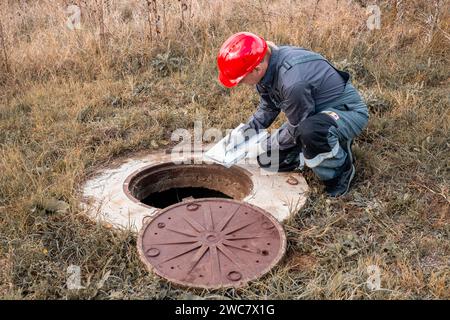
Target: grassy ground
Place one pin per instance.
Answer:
(71, 101)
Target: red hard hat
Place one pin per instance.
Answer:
(238, 56)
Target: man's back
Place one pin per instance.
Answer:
(328, 84)
(321, 79)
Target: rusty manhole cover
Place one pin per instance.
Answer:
(211, 243)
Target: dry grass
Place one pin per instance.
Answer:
(73, 100)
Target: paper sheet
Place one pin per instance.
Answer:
(244, 150)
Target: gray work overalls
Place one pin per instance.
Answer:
(349, 114)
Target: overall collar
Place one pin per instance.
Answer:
(267, 81)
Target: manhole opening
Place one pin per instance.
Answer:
(165, 184)
(171, 196)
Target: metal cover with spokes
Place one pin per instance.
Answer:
(211, 243)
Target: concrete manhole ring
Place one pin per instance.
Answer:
(126, 194)
(211, 243)
(150, 183)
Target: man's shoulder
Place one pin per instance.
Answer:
(286, 54)
(289, 56)
(292, 54)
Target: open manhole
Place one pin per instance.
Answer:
(123, 194)
(211, 243)
(165, 184)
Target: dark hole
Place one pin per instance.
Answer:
(265, 253)
(171, 196)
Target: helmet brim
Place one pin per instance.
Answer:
(229, 83)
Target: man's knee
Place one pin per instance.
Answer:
(306, 131)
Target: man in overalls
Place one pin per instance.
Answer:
(324, 111)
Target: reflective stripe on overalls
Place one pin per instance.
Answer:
(350, 114)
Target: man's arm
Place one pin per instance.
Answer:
(298, 104)
(266, 113)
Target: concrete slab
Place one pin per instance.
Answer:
(104, 198)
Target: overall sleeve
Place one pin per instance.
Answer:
(266, 113)
(298, 104)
